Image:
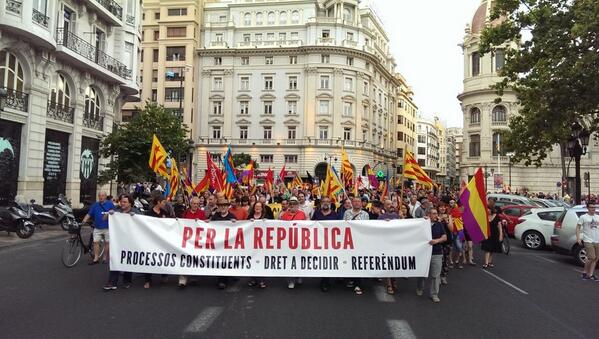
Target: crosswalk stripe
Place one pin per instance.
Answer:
(204, 320)
(400, 329)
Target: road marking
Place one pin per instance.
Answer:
(400, 329)
(203, 321)
(506, 282)
(546, 259)
(233, 289)
(382, 295)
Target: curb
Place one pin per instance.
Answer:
(27, 242)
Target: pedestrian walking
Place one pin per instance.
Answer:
(493, 243)
(438, 238)
(587, 234)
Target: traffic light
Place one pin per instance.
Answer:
(587, 179)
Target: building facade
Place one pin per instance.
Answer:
(292, 81)
(66, 68)
(455, 135)
(427, 153)
(484, 120)
(441, 135)
(406, 121)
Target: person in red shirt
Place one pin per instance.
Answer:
(293, 213)
(238, 211)
(196, 213)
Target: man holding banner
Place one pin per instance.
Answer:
(438, 238)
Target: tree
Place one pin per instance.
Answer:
(240, 159)
(128, 146)
(554, 70)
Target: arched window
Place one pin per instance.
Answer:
(11, 72)
(283, 18)
(61, 93)
(259, 18)
(474, 116)
(247, 19)
(499, 114)
(295, 17)
(347, 15)
(92, 104)
(271, 18)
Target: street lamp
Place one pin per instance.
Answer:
(330, 157)
(510, 155)
(577, 147)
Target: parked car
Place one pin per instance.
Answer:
(542, 202)
(536, 227)
(511, 199)
(511, 214)
(563, 239)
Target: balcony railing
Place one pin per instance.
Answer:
(499, 122)
(130, 20)
(60, 112)
(40, 18)
(16, 100)
(112, 7)
(269, 43)
(88, 51)
(326, 41)
(94, 121)
(14, 6)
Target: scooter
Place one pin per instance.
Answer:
(61, 213)
(16, 218)
(141, 204)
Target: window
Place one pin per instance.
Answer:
(347, 14)
(282, 36)
(268, 60)
(399, 136)
(92, 104)
(244, 107)
(129, 56)
(293, 60)
(215, 156)
(217, 107)
(422, 139)
(271, 18)
(347, 133)
(157, 16)
(474, 116)
(175, 53)
(258, 36)
(217, 84)
(222, 18)
(349, 36)
(156, 35)
(177, 11)
(259, 18)
(365, 135)
(243, 132)
(294, 35)
(155, 75)
(173, 94)
(155, 55)
(293, 83)
(267, 132)
(216, 132)
(268, 83)
(421, 150)
(176, 32)
(218, 37)
(291, 159)
(291, 132)
(348, 109)
(323, 132)
(295, 17)
(324, 81)
(475, 64)
(270, 36)
(247, 38)
(325, 58)
(348, 85)
(266, 158)
(154, 95)
(499, 59)
(245, 60)
(268, 107)
(326, 33)
(422, 162)
(247, 19)
(283, 18)
(349, 61)
(323, 107)
(292, 107)
(245, 83)
(400, 153)
(498, 148)
(514, 211)
(499, 114)
(550, 216)
(474, 145)
(218, 61)
(365, 92)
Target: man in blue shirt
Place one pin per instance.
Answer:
(97, 212)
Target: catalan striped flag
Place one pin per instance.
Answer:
(332, 185)
(173, 180)
(203, 185)
(158, 158)
(187, 183)
(413, 171)
(347, 171)
(476, 214)
(297, 181)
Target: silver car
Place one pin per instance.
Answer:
(564, 234)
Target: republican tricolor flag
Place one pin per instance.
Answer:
(476, 213)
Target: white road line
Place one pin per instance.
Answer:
(400, 329)
(233, 289)
(382, 295)
(204, 320)
(506, 282)
(546, 259)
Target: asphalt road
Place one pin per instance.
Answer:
(527, 295)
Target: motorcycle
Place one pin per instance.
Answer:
(16, 218)
(141, 204)
(61, 213)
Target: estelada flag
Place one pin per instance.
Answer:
(347, 171)
(158, 157)
(332, 185)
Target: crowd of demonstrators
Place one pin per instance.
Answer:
(451, 245)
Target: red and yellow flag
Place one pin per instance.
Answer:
(158, 157)
(203, 185)
(173, 180)
(413, 171)
(332, 186)
(347, 171)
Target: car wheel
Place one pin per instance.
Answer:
(580, 255)
(533, 240)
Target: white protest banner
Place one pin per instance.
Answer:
(270, 248)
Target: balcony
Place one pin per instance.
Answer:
(326, 41)
(350, 43)
(16, 100)
(88, 51)
(109, 10)
(40, 18)
(269, 43)
(93, 121)
(14, 6)
(499, 123)
(218, 44)
(60, 112)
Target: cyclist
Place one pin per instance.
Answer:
(97, 212)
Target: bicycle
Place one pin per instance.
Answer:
(505, 244)
(75, 246)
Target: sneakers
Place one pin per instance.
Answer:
(585, 276)
(291, 285)
(349, 284)
(444, 281)
(435, 299)
(593, 277)
(419, 292)
(109, 287)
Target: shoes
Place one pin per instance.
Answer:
(94, 262)
(435, 299)
(221, 286)
(444, 281)
(419, 292)
(147, 285)
(252, 283)
(585, 276)
(109, 287)
(593, 277)
(262, 285)
(350, 284)
(182, 286)
(358, 290)
(471, 263)
(291, 285)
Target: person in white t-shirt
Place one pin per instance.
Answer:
(587, 233)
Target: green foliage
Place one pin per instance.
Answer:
(240, 159)
(554, 71)
(128, 146)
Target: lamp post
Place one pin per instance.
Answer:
(330, 158)
(577, 147)
(510, 155)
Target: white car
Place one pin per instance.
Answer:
(535, 227)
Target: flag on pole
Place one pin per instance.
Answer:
(229, 167)
(173, 180)
(187, 183)
(215, 175)
(413, 171)
(247, 175)
(203, 185)
(332, 186)
(282, 174)
(371, 177)
(347, 171)
(297, 181)
(476, 214)
(269, 182)
(158, 158)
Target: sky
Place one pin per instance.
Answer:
(424, 37)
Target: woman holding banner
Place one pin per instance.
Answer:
(257, 213)
(158, 210)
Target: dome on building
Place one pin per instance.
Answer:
(479, 19)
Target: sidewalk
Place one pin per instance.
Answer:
(46, 232)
